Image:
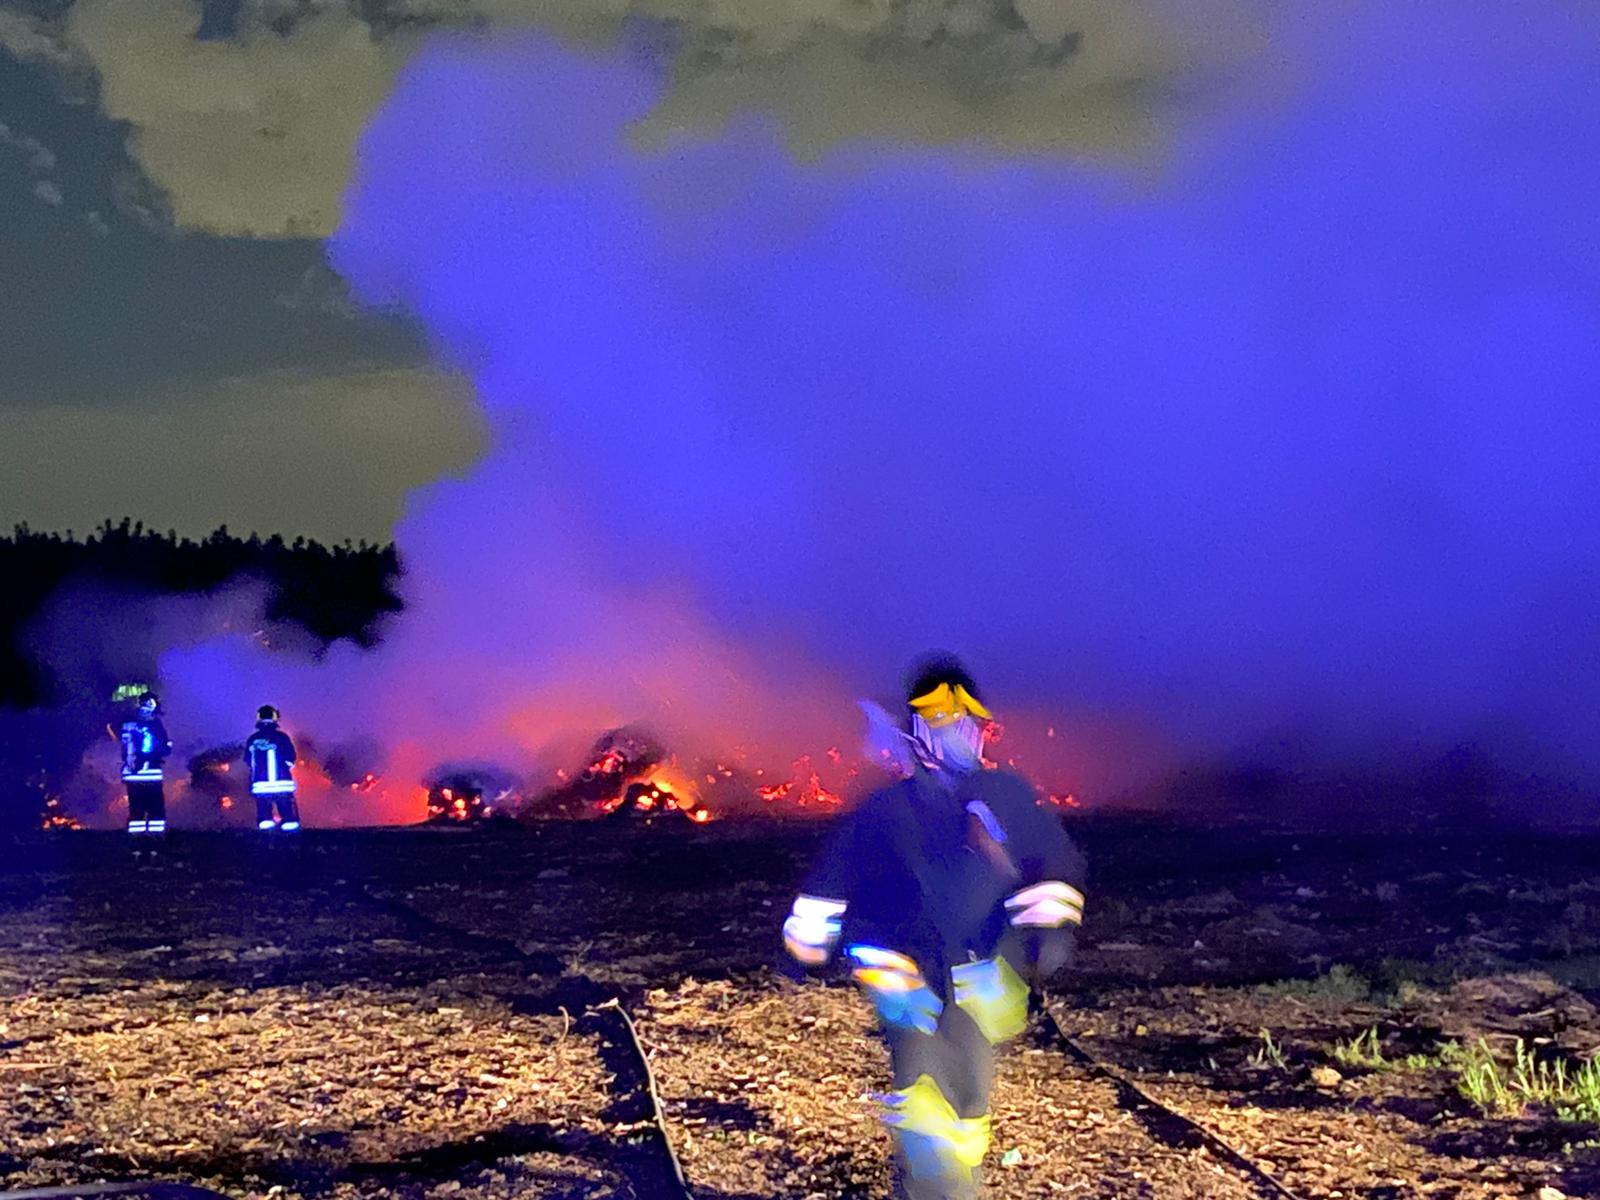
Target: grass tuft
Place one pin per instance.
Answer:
(1501, 1089)
(1340, 985)
(1269, 1053)
(1364, 1050)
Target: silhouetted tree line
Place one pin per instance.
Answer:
(332, 592)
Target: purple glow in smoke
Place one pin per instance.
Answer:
(1299, 436)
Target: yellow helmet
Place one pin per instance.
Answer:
(946, 704)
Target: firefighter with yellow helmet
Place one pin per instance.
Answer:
(946, 894)
(145, 747)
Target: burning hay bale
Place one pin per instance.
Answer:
(649, 799)
(628, 773)
(457, 802)
(468, 795)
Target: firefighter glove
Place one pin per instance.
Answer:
(894, 984)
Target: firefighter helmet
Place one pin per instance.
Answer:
(266, 713)
(943, 691)
(148, 704)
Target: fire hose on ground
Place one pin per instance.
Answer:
(1164, 1123)
(680, 1183)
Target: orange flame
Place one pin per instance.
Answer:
(55, 818)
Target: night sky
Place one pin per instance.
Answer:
(169, 168)
(196, 362)
(1220, 377)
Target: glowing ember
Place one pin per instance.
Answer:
(629, 774)
(657, 795)
(55, 818)
(609, 763)
(816, 793)
(455, 802)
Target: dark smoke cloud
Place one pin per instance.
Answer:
(1297, 441)
(246, 118)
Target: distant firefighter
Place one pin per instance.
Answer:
(270, 756)
(948, 893)
(145, 747)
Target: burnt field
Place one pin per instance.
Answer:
(422, 1013)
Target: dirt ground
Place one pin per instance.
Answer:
(414, 1012)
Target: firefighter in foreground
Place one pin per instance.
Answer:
(270, 756)
(145, 747)
(946, 894)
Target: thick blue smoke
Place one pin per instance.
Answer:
(1297, 435)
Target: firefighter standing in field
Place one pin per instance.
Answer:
(270, 756)
(145, 747)
(947, 892)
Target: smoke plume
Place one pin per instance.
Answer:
(1290, 444)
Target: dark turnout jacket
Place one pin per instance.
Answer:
(270, 756)
(145, 746)
(926, 864)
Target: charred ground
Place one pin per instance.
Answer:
(413, 1012)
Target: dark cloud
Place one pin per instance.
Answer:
(115, 300)
(37, 158)
(219, 20)
(246, 112)
(181, 377)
